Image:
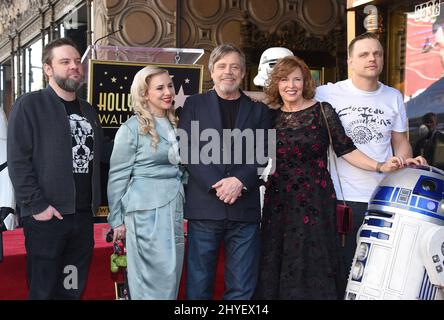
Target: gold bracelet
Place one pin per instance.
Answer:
(378, 167)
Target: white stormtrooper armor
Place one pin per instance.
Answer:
(400, 251)
(7, 199)
(268, 59)
(8, 219)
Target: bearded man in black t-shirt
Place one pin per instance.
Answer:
(54, 141)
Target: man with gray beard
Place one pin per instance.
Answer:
(54, 151)
(222, 202)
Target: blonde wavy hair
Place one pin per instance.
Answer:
(139, 89)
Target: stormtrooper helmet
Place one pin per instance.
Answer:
(268, 59)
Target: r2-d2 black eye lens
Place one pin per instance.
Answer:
(428, 185)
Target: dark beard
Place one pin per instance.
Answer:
(68, 84)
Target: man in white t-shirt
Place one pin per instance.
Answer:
(374, 116)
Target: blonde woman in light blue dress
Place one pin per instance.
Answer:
(145, 191)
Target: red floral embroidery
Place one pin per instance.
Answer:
(300, 196)
(321, 163)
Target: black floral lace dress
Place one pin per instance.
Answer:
(300, 253)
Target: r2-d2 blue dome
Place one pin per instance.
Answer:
(400, 245)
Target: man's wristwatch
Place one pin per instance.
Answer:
(378, 167)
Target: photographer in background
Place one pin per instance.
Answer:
(430, 140)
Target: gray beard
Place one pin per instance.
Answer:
(68, 84)
(228, 89)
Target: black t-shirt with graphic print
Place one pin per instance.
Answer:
(82, 155)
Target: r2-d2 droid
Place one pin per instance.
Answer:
(400, 251)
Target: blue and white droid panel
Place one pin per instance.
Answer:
(423, 201)
(400, 253)
(362, 254)
(427, 197)
(375, 229)
(432, 254)
(373, 255)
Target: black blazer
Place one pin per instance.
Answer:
(40, 153)
(201, 201)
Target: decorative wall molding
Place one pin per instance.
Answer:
(319, 17)
(32, 30)
(146, 24)
(291, 35)
(256, 25)
(308, 25)
(14, 15)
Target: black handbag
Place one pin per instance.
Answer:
(344, 214)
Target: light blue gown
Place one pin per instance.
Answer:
(145, 192)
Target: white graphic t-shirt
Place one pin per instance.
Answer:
(82, 135)
(369, 119)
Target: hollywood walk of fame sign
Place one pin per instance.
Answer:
(110, 83)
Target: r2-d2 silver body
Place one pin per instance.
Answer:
(400, 245)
